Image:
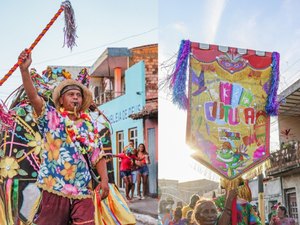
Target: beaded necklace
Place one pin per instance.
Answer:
(83, 138)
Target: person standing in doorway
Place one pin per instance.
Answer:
(143, 171)
(134, 172)
(126, 164)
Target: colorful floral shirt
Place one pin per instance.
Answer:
(64, 170)
(245, 212)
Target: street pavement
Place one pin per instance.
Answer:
(145, 210)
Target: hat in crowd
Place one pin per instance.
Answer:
(87, 95)
(240, 184)
(170, 200)
(169, 206)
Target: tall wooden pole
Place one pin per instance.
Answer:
(261, 204)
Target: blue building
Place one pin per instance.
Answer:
(119, 109)
(118, 82)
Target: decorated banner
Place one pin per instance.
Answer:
(231, 95)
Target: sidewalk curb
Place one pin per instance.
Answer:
(145, 219)
(137, 211)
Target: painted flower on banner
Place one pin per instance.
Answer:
(9, 167)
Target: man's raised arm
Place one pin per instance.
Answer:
(35, 100)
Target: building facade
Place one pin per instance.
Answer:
(149, 113)
(124, 85)
(282, 181)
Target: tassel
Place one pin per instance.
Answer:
(258, 170)
(34, 209)
(272, 103)
(6, 118)
(8, 193)
(70, 26)
(178, 78)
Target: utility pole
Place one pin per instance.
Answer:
(261, 204)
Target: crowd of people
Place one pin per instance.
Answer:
(134, 170)
(220, 211)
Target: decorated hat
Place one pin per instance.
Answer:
(240, 184)
(87, 95)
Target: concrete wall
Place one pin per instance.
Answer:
(272, 193)
(292, 181)
(289, 128)
(253, 184)
(149, 54)
(151, 141)
(151, 123)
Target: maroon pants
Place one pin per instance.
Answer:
(58, 210)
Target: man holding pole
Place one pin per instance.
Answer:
(71, 148)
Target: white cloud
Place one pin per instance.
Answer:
(214, 11)
(180, 27)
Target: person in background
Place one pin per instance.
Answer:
(205, 213)
(143, 171)
(273, 212)
(126, 164)
(190, 206)
(134, 171)
(179, 204)
(178, 218)
(237, 189)
(282, 217)
(168, 216)
(189, 220)
(254, 206)
(161, 211)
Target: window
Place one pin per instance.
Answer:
(120, 141)
(96, 94)
(132, 133)
(120, 146)
(291, 198)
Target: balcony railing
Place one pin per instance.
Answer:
(107, 96)
(285, 159)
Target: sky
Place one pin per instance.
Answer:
(271, 25)
(100, 24)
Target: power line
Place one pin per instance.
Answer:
(101, 46)
(92, 49)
